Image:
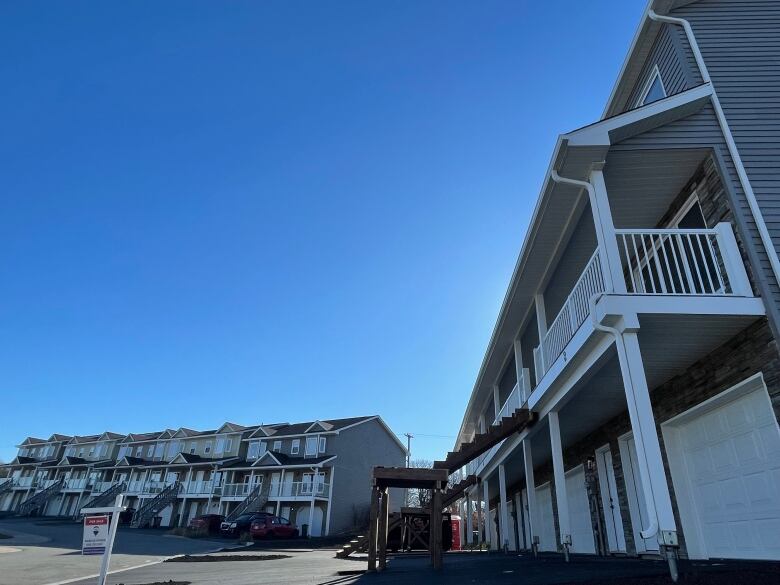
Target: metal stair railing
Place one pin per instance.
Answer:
(6, 485)
(103, 498)
(255, 500)
(159, 502)
(39, 500)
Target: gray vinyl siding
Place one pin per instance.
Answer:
(740, 43)
(675, 62)
(701, 130)
(359, 449)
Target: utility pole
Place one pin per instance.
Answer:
(409, 437)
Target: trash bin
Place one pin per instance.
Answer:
(305, 530)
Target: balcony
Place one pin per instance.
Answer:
(671, 263)
(199, 488)
(236, 490)
(76, 484)
(299, 490)
(25, 482)
(99, 487)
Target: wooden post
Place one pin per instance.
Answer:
(382, 536)
(372, 528)
(435, 529)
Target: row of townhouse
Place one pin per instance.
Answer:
(641, 320)
(314, 473)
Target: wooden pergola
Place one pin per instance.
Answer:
(385, 478)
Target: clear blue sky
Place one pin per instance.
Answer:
(273, 211)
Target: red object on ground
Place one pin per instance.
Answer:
(273, 527)
(456, 544)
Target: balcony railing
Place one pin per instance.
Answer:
(25, 482)
(77, 483)
(199, 487)
(100, 486)
(680, 261)
(296, 489)
(516, 398)
(236, 490)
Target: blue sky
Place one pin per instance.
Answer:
(273, 211)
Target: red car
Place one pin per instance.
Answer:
(273, 527)
(206, 523)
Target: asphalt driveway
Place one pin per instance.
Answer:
(43, 552)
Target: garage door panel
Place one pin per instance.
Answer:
(731, 460)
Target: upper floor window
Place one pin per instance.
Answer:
(254, 450)
(323, 444)
(104, 449)
(220, 445)
(150, 451)
(277, 445)
(228, 445)
(193, 446)
(207, 448)
(311, 446)
(139, 450)
(654, 89)
(91, 451)
(296, 447)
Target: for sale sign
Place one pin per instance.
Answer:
(95, 535)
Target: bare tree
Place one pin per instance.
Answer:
(420, 498)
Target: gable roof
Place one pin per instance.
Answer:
(325, 426)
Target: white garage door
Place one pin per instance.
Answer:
(730, 459)
(545, 523)
(579, 512)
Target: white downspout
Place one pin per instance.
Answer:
(755, 210)
(651, 530)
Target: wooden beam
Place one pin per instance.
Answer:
(410, 477)
(435, 530)
(372, 528)
(382, 540)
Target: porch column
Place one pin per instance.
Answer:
(281, 491)
(560, 482)
(503, 512)
(611, 266)
(530, 488)
(332, 470)
(496, 401)
(486, 511)
(648, 448)
(469, 521)
(480, 520)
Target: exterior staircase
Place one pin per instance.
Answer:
(253, 502)
(6, 485)
(143, 516)
(360, 542)
(38, 501)
(103, 499)
(482, 442)
(455, 491)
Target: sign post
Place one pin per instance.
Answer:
(99, 534)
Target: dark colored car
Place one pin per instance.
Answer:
(273, 527)
(206, 523)
(240, 525)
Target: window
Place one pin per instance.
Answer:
(254, 450)
(139, 450)
(150, 451)
(277, 446)
(207, 448)
(654, 89)
(81, 452)
(91, 451)
(193, 446)
(228, 445)
(296, 446)
(323, 443)
(311, 446)
(104, 449)
(159, 449)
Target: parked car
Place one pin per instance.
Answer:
(273, 527)
(207, 523)
(240, 525)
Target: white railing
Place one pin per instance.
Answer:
(101, 486)
(512, 403)
(574, 311)
(135, 487)
(236, 490)
(295, 489)
(199, 487)
(43, 484)
(24, 482)
(78, 483)
(682, 262)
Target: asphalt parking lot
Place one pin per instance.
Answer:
(44, 552)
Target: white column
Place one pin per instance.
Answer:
(480, 519)
(519, 370)
(648, 448)
(605, 235)
(486, 514)
(560, 480)
(330, 499)
(503, 510)
(469, 521)
(496, 401)
(281, 491)
(530, 488)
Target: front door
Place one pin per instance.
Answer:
(616, 540)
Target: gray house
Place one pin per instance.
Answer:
(315, 473)
(641, 321)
